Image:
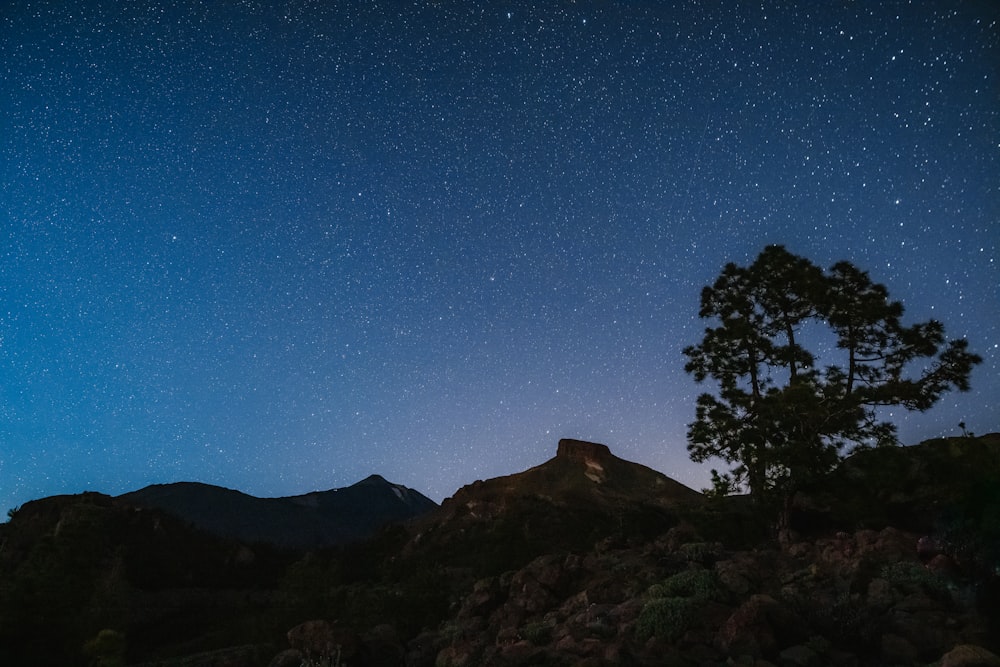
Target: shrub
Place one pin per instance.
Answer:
(107, 649)
(665, 618)
(538, 634)
(701, 584)
(845, 621)
(819, 644)
(912, 577)
(700, 552)
(697, 584)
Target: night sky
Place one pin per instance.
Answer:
(280, 246)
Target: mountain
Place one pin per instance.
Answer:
(582, 495)
(582, 474)
(317, 519)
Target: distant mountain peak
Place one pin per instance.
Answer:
(316, 519)
(374, 479)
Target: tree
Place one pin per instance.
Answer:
(778, 418)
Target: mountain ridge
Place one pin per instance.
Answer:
(314, 519)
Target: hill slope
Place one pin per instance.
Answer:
(582, 495)
(895, 562)
(580, 474)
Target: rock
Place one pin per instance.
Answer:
(322, 639)
(880, 596)
(838, 658)
(928, 547)
(896, 650)
(385, 632)
(312, 637)
(236, 656)
(925, 630)
(507, 637)
(535, 589)
(291, 657)
(915, 602)
(628, 612)
(942, 565)
(798, 549)
(731, 576)
(422, 649)
(576, 603)
(486, 596)
(799, 656)
(520, 652)
(894, 544)
(969, 655)
(382, 647)
(760, 627)
(459, 655)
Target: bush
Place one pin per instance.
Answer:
(697, 584)
(845, 621)
(538, 634)
(665, 618)
(701, 552)
(107, 649)
(912, 577)
(972, 528)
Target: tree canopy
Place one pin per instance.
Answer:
(777, 417)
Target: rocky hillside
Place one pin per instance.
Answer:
(853, 598)
(844, 587)
(72, 567)
(580, 496)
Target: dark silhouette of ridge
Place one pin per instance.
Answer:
(317, 519)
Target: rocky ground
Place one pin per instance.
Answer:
(893, 560)
(864, 598)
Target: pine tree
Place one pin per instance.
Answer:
(776, 417)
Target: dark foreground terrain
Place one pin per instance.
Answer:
(584, 560)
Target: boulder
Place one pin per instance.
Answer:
(896, 650)
(322, 639)
(291, 657)
(969, 655)
(880, 595)
(925, 629)
(799, 656)
(760, 627)
(486, 596)
(458, 655)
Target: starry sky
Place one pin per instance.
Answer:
(280, 246)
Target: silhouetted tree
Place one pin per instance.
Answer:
(776, 416)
